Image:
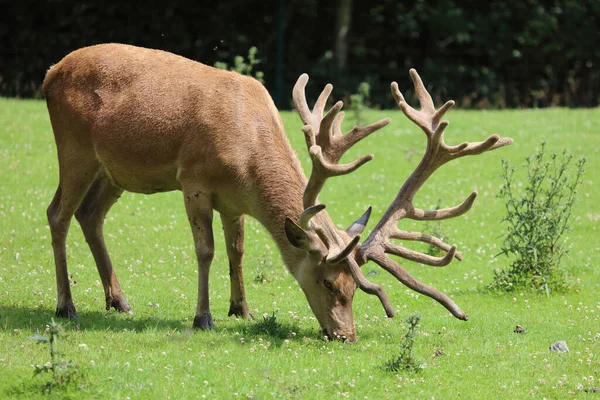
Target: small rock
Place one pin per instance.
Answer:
(559, 347)
(519, 329)
(592, 389)
(372, 273)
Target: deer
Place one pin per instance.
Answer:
(127, 118)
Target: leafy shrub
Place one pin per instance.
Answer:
(537, 220)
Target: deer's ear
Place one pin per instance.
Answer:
(296, 235)
(307, 241)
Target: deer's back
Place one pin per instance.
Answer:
(153, 118)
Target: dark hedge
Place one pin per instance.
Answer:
(510, 53)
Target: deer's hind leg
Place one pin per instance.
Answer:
(100, 197)
(233, 229)
(76, 177)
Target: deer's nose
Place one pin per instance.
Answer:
(346, 338)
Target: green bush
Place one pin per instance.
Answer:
(538, 217)
(244, 66)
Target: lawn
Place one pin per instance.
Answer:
(155, 354)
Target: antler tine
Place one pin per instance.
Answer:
(468, 149)
(444, 213)
(403, 276)
(308, 213)
(422, 94)
(328, 126)
(428, 118)
(312, 118)
(322, 170)
(325, 141)
(436, 154)
(331, 139)
(421, 237)
(370, 287)
(360, 132)
(420, 257)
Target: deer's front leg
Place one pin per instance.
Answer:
(199, 210)
(233, 229)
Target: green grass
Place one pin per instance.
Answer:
(154, 353)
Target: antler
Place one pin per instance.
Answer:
(324, 139)
(378, 244)
(326, 145)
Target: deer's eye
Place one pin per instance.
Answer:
(328, 284)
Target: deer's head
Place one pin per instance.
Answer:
(323, 273)
(329, 270)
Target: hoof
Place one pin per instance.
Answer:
(203, 322)
(239, 309)
(119, 304)
(67, 311)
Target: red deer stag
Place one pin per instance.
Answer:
(147, 121)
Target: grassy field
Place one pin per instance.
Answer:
(154, 353)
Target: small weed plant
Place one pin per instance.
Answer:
(263, 275)
(538, 218)
(245, 66)
(406, 362)
(270, 326)
(63, 373)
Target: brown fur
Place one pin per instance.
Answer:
(147, 121)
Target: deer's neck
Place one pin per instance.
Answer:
(278, 192)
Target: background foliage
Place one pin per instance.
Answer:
(501, 53)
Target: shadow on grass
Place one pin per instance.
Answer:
(271, 329)
(23, 318)
(268, 328)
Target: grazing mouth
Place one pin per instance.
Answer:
(335, 336)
